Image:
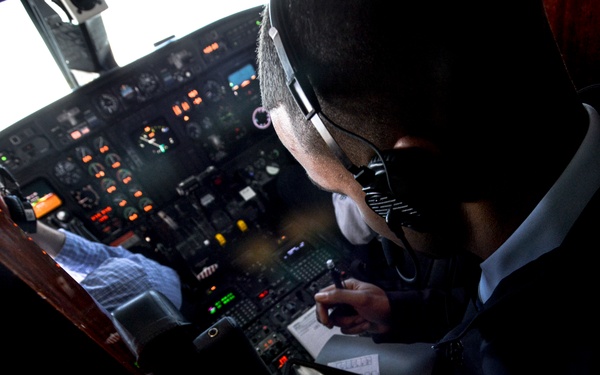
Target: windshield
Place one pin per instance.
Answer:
(31, 79)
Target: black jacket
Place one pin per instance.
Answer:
(426, 309)
(541, 319)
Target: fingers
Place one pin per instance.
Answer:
(326, 300)
(332, 296)
(369, 302)
(349, 324)
(330, 312)
(322, 312)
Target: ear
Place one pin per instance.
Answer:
(410, 141)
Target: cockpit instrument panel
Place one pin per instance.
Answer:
(174, 156)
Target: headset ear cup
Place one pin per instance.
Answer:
(20, 209)
(21, 213)
(405, 188)
(15, 208)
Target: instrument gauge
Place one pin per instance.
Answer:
(131, 213)
(120, 200)
(146, 204)
(213, 91)
(148, 83)
(109, 185)
(113, 160)
(194, 130)
(124, 175)
(97, 170)
(87, 197)
(135, 190)
(101, 145)
(155, 139)
(67, 171)
(84, 154)
(108, 103)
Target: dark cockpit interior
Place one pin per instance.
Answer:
(173, 156)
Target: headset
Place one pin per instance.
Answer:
(403, 200)
(20, 209)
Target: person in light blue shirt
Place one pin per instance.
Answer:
(112, 275)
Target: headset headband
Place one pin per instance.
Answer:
(301, 90)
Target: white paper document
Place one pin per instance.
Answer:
(310, 333)
(313, 336)
(365, 365)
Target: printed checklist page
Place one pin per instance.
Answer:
(313, 336)
(310, 333)
(365, 365)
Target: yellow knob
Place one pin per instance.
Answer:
(220, 238)
(241, 224)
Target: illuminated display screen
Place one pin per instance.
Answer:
(42, 197)
(242, 77)
(296, 251)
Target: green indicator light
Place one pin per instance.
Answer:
(228, 298)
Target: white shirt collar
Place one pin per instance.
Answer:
(547, 225)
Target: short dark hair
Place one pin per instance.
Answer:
(338, 93)
(380, 72)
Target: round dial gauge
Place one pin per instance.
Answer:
(84, 154)
(113, 160)
(213, 91)
(155, 139)
(97, 170)
(124, 175)
(120, 200)
(68, 172)
(148, 83)
(86, 197)
(194, 130)
(108, 103)
(100, 145)
(109, 185)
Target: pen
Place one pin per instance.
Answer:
(335, 274)
(341, 309)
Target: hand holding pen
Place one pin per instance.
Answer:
(338, 281)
